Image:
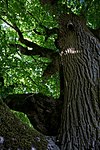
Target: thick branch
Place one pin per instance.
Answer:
(37, 50)
(37, 107)
(96, 32)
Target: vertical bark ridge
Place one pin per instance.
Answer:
(80, 58)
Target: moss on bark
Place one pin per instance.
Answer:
(14, 134)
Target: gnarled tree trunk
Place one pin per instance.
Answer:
(80, 58)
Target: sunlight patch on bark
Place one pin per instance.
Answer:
(70, 51)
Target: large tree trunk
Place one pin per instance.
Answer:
(80, 58)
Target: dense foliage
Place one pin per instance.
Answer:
(24, 73)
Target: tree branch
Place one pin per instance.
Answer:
(48, 32)
(96, 32)
(37, 107)
(7, 23)
(37, 50)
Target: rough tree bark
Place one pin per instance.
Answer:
(80, 58)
